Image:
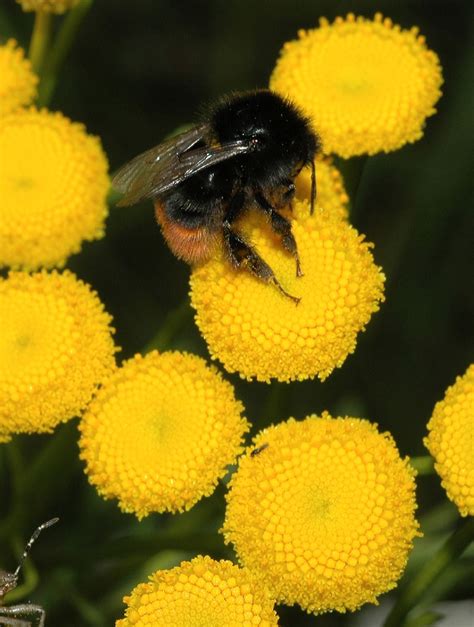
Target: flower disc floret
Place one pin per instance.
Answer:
(17, 79)
(451, 441)
(331, 194)
(161, 432)
(48, 6)
(56, 347)
(253, 329)
(200, 592)
(53, 186)
(367, 85)
(324, 514)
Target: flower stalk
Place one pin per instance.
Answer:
(40, 39)
(424, 465)
(60, 50)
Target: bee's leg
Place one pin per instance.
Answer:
(241, 254)
(281, 226)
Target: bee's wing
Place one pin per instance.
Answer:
(136, 179)
(163, 167)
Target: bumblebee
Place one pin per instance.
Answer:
(245, 154)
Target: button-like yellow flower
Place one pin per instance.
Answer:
(48, 6)
(451, 441)
(367, 85)
(56, 347)
(253, 329)
(17, 79)
(332, 196)
(322, 511)
(200, 592)
(53, 186)
(161, 432)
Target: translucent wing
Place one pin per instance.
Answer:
(163, 167)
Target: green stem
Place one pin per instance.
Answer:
(173, 323)
(60, 50)
(423, 465)
(353, 171)
(441, 560)
(40, 40)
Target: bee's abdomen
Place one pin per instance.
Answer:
(193, 245)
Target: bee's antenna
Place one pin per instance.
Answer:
(31, 541)
(313, 186)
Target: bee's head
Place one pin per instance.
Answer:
(273, 127)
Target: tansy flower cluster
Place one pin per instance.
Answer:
(451, 441)
(161, 432)
(255, 330)
(17, 79)
(322, 512)
(53, 186)
(200, 592)
(56, 347)
(367, 85)
(48, 6)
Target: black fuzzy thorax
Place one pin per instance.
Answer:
(283, 139)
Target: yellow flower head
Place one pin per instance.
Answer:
(48, 6)
(161, 432)
(332, 196)
(451, 441)
(367, 85)
(200, 592)
(252, 328)
(56, 347)
(17, 80)
(323, 512)
(53, 186)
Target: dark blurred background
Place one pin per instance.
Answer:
(137, 71)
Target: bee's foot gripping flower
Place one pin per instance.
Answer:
(322, 511)
(161, 432)
(367, 85)
(256, 331)
(451, 441)
(56, 347)
(200, 592)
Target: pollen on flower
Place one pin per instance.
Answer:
(53, 186)
(367, 85)
(161, 432)
(451, 441)
(17, 79)
(48, 6)
(324, 514)
(255, 330)
(331, 193)
(56, 347)
(200, 592)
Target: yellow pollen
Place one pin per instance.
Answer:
(17, 81)
(161, 432)
(53, 186)
(304, 514)
(451, 441)
(200, 593)
(56, 347)
(367, 85)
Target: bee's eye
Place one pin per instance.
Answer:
(259, 138)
